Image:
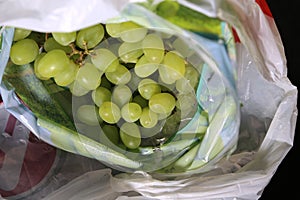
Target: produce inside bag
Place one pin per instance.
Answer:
(143, 91)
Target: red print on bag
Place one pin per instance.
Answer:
(24, 159)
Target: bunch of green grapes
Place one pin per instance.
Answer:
(139, 79)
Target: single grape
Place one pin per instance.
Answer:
(105, 60)
(148, 118)
(24, 51)
(148, 87)
(101, 95)
(67, 76)
(64, 38)
(132, 32)
(88, 76)
(110, 112)
(162, 103)
(112, 133)
(88, 114)
(36, 61)
(164, 75)
(53, 63)
(77, 90)
(144, 68)
(90, 37)
(121, 95)
(153, 48)
(21, 33)
(175, 65)
(131, 112)
(51, 44)
(113, 29)
(130, 135)
(130, 52)
(120, 76)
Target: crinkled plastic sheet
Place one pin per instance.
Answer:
(266, 133)
(216, 94)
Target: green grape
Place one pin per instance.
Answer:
(130, 135)
(153, 48)
(148, 87)
(67, 76)
(109, 112)
(24, 51)
(77, 90)
(175, 65)
(162, 103)
(88, 76)
(88, 114)
(130, 52)
(132, 32)
(53, 63)
(105, 60)
(101, 95)
(189, 82)
(120, 76)
(90, 37)
(113, 29)
(140, 100)
(148, 118)
(36, 61)
(64, 38)
(131, 112)
(144, 68)
(112, 133)
(121, 95)
(51, 44)
(21, 33)
(164, 75)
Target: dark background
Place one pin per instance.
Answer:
(282, 184)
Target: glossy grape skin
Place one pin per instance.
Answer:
(131, 112)
(120, 76)
(88, 115)
(130, 135)
(21, 33)
(132, 32)
(148, 87)
(89, 76)
(130, 52)
(51, 44)
(105, 60)
(121, 95)
(35, 64)
(143, 68)
(24, 51)
(101, 95)
(175, 65)
(53, 63)
(162, 103)
(153, 48)
(110, 112)
(90, 37)
(67, 76)
(64, 38)
(148, 118)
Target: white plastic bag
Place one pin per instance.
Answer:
(267, 129)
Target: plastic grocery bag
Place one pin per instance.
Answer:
(261, 147)
(207, 127)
